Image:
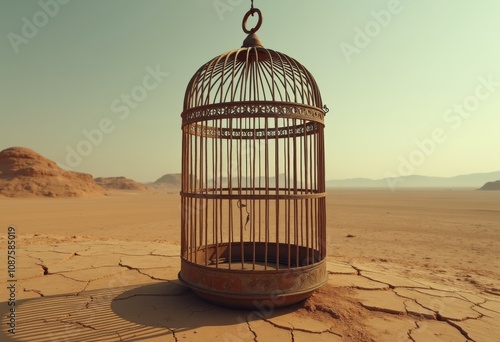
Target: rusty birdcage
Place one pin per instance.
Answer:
(253, 179)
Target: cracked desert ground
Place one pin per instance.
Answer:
(409, 265)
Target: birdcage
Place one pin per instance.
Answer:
(253, 222)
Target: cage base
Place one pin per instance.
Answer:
(261, 303)
(253, 288)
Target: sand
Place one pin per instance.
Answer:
(414, 265)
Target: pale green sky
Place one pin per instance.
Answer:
(392, 72)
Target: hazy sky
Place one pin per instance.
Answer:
(97, 85)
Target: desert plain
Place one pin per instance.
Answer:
(405, 265)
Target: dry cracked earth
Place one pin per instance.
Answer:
(128, 291)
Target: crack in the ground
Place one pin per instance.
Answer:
(173, 334)
(437, 311)
(252, 331)
(371, 279)
(334, 333)
(409, 312)
(425, 307)
(32, 257)
(77, 323)
(404, 303)
(412, 330)
(439, 317)
(358, 270)
(73, 254)
(84, 288)
(293, 336)
(445, 296)
(62, 273)
(465, 298)
(481, 315)
(378, 309)
(498, 312)
(163, 255)
(279, 326)
(423, 286)
(65, 276)
(460, 329)
(139, 271)
(77, 310)
(35, 291)
(92, 267)
(45, 268)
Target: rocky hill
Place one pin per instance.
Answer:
(25, 173)
(170, 182)
(120, 183)
(491, 186)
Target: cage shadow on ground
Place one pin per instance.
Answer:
(176, 308)
(70, 317)
(129, 313)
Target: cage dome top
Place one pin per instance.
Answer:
(252, 73)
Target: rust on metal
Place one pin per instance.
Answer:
(253, 220)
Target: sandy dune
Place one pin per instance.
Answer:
(417, 266)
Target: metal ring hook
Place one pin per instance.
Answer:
(245, 18)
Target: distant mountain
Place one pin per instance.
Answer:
(474, 180)
(171, 182)
(25, 173)
(120, 183)
(491, 186)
